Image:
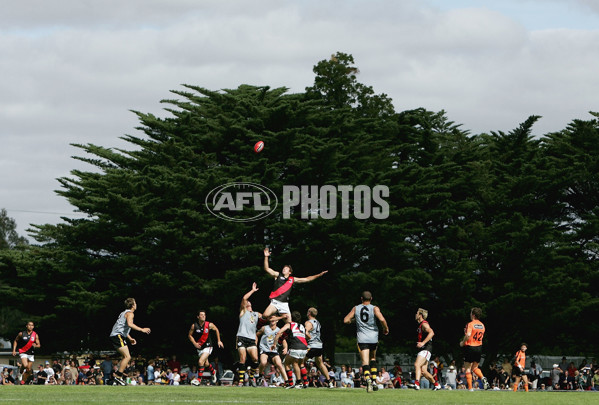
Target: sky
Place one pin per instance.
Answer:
(72, 71)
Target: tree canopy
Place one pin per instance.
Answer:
(505, 221)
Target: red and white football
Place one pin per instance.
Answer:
(258, 146)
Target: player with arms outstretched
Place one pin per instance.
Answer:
(282, 289)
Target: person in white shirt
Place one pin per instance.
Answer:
(346, 377)
(157, 376)
(176, 377)
(451, 377)
(535, 372)
(49, 372)
(277, 379)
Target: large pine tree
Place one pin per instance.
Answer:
(505, 221)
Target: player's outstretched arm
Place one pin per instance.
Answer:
(310, 278)
(348, 318)
(266, 265)
(246, 297)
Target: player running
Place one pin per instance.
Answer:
(518, 369)
(366, 315)
(246, 337)
(282, 289)
(120, 334)
(295, 334)
(425, 344)
(472, 344)
(199, 335)
(313, 327)
(25, 343)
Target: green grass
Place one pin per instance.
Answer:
(247, 395)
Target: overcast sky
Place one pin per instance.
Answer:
(70, 71)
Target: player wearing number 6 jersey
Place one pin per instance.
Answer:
(472, 344)
(366, 315)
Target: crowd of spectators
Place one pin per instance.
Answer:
(562, 376)
(566, 376)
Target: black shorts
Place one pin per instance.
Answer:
(314, 352)
(118, 341)
(368, 346)
(472, 354)
(271, 356)
(245, 342)
(516, 371)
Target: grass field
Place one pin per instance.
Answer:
(247, 395)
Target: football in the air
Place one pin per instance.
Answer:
(258, 146)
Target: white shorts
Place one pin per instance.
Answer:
(297, 354)
(282, 307)
(29, 357)
(205, 350)
(424, 353)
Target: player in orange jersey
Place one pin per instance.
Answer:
(518, 370)
(473, 344)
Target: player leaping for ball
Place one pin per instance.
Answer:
(282, 289)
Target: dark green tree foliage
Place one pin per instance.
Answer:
(572, 274)
(505, 221)
(9, 238)
(150, 236)
(17, 272)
